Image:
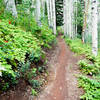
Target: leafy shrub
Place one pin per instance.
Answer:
(28, 23)
(35, 84)
(41, 69)
(34, 92)
(15, 44)
(7, 80)
(77, 46)
(25, 67)
(21, 42)
(91, 57)
(91, 88)
(87, 68)
(32, 73)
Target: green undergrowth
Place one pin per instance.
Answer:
(90, 67)
(77, 46)
(22, 44)
(19, 48)
(27, 22)
(91, 88)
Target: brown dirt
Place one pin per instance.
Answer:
(62, 82)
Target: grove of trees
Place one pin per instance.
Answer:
(29, 26)
(70, 13)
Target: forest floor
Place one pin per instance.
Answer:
(62, 82)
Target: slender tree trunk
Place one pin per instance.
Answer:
(94, 28)
(64, 16)
(88, 33)
(85, 19)
(10, 6)
(54, 16)
(48, 10)
(67, 17)
(70, 11)
(76, 16)
(38, 12)
(51, 14)
(69, 27)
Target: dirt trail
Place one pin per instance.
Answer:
(62, 84)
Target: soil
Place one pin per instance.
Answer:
(62, 82)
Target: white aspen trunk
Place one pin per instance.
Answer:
(54, 17)
(64, 26)
(51, 14)
(67, 18)
(38, 12)
(73, 28)
(86, 13)
(70, 19)
(84, 24)
(48, 10)
(69, 27)
(76, 16)
(10, 6)
(64, 16)
(88, 32)
(94, 28)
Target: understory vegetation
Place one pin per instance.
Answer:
(90, 68)
(22, 54)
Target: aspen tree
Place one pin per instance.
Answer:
(64, 16)
(70, 10)
(75, 10)
(10, 6)
(48, 10)
(51, 14)
(54, 16)
(38, 12)
(94, 28)
(86, 9)
(69, 27)
(88, 33)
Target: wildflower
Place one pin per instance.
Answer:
(6, 41)
(9, 22)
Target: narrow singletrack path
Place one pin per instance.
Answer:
(64, 84)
